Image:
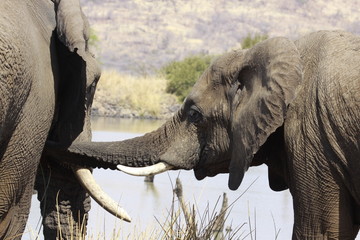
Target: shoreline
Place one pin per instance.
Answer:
(114, 111)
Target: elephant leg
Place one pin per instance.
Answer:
(13, 222)
(323, 206)
(325, 220)
(64, 203)
(20, 156)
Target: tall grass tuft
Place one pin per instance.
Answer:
(184, 222)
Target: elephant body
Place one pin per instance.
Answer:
(47, 78)
(322, 134)
(25, 105)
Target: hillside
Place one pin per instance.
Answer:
(140, 36)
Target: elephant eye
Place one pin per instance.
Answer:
(194, 116)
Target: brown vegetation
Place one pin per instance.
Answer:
(121, 95)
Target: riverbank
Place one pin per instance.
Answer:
(126, 96)
(107, 109)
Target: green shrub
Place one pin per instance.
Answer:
(249, 41)
(182, 75)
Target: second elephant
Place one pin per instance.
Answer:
(294, 106)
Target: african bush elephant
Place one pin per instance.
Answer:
(47, 82)
(294, 106)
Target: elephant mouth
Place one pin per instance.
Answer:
(211, 163)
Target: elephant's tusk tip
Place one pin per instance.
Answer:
(125, 217)
(145, 171)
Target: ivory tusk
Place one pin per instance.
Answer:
(145, 171)
(88, 182)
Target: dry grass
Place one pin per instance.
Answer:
(183, 221)
(143, 94)
(176, 226)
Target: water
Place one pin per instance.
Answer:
(257, 208)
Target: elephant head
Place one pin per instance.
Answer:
(233, 109)
(224, 125)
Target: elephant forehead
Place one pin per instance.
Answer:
(201, 86)
(228, 63)
(206, 92)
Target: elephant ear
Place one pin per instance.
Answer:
(78, 72)
(71, 25)
(265, 83)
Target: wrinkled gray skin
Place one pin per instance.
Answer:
(47, 81)
(293, 106)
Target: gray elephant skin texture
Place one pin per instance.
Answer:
(47, 82)
(294, 106)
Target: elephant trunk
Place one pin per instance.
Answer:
(136, 152)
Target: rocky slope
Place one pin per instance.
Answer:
(138, 36)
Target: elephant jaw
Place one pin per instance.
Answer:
(146, 171)
(87, 180)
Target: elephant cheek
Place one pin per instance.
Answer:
(181, 157)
